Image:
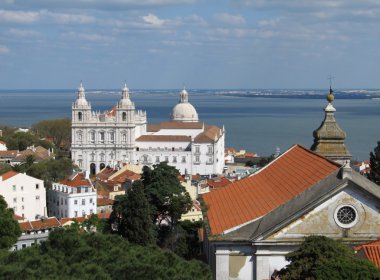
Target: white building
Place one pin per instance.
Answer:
(25, 194)
(3, 146)
(122, 135)
(72, 197)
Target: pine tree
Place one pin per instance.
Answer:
(374, 163)
(9, 228)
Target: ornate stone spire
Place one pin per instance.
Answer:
(125, 101)
(329, 137)
(184, 96)
(81, 100)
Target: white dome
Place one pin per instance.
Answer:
(184, 112)
(125, 101)
(81, 102)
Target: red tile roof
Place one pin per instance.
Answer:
(2, 142)
(163, 138)
(127, 174)
(104, 201)
(371, 251)
(8, 175)
(252, 197)
(174, 125)
(8, 154)
(77, 180)
(219, 182)
(210, 134)
(40, 224)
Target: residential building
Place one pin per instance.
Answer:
(122, 135)
(26, 195)
(73, 197)
(3, 146)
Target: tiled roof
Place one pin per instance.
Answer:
(174, 125)
(40, 224)
(252, 197)
(39, 153)
(127, 174)
(105, 173)
(104, 201)
(8, 175)
(77, 180)
(371, 251)
(209, 135)
(163, 138)
(8, 154)
(219, 182)
(2, 142)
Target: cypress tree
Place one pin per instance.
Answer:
(374, 163)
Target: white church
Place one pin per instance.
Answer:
(122, 135)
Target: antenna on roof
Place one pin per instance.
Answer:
(330, 77)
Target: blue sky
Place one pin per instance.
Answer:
(200, 43)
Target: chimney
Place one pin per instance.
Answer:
(346, 170)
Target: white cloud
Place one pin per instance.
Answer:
(64, 18)
(153, 20)
(19, 16)
(230, 19)
(22, 32)
(4, 50)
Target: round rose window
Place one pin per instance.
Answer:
(346, 216)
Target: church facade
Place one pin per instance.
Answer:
(253, 223)
(123, 135)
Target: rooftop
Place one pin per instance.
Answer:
(252, 197)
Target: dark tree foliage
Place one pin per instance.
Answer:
(9, 228)
(138, 227)
(4, 168)
(168, 199)
(20, 140)
(59, 130)
(71, 255)
(320, 257)
(374, 163)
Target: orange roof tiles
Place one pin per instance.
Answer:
(127, 174)
(174, 125)
(372, 251)
(219, 182)
(104, 201)
(77, 181)
(8, 175)
(163, 138)
(252, 197)
(40, 224)
(8, 154)
(210, 134)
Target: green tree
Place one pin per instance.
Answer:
(9, 228)
(320, 257)
(58, 129)
(4, 168)
(168, 199)
(374, 163)
(138, 226)
(69, 254)
(20, 140)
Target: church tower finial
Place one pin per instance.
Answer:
(329, 137)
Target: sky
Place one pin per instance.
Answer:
(159, 44)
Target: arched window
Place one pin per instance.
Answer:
(79, 136)
(92, 136)
(124, 137)
(80, 116)
(124, 116)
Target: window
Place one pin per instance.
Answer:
(83, 202)
(80, 138)
(346, 216)
(14, 187)
(166, 158)
(102, 137)
(22, 188)
(197, 159)
(92, 136)
(75, 213)
(37, 197)
(157, 159)
(183, 159)
(102, 157)
(92, 157)
(197, 149)
(75, 202)
(22, 207)
(83, 213)
(124, 137)
(90, 200)
(124, 116)
(80, 116)
(112, 137)
(65, 201)
(91, 211)
(15, 199)
(23, 246)
(37, 186)
(209, 160)
(209, 150)
(174, 159)
(22, 199)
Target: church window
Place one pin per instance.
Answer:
(92, 157)
(124, 116)
(346, 216)
(124, 137)
(92, 136)
(80, 136)
(80, 116)
(102, 137)
(112, 137)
